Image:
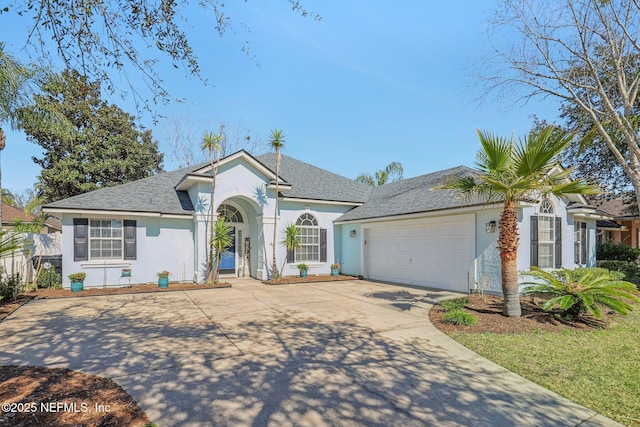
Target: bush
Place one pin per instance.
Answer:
(454, 304)
(629, 270)
(9, 286)
(608, 250)
(459, 317)
(49, 279)
(582, 290)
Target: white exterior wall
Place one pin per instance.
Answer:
(233, 180)
(325, 214)
(488, 263)
(567, 230)
(161, 244)
(351, 248)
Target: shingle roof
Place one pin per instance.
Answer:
(617, 208)
(154, 194)
(312, 182)
(157, 193)
(10, 214)
(413, 195)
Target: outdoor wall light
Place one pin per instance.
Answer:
(352, 233)
(491, 227)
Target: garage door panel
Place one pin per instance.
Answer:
(435, 252)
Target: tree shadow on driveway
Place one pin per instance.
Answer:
(274, 366)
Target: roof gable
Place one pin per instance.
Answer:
(311, 182)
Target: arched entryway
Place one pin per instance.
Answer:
(236, 260)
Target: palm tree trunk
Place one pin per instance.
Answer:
(274, 266)
(508, 247)
(3, 140)
(210, 274)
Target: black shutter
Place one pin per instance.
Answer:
(583, 240)
(576, 242)
(291, 255)
(558, 248)
(80, 239)
(534, 241)
(129, 239)
(323, 245)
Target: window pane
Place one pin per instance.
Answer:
(105, 239)
(545, 255)
(545, 228)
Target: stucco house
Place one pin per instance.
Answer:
(408, 232)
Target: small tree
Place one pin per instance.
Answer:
(221, 241)
(510, 172)
(291, 240)
(211, 143)
(10, 241)
(277, 143)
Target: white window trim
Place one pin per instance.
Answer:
(547, 210)
(91, 238)
(315, 232)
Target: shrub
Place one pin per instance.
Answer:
(49, 279)
(9, 286)
(629, 270)
(582, 291)
(459, 317)
(608, 250)
(454, 304)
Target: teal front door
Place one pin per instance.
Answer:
(228, 259)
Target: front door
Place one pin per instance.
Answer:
(228, 259)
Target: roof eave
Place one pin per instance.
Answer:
(427, 213)
(320, 201)
(81, 211)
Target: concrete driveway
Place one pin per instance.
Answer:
(338, 354)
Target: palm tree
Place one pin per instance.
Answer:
(277, 143)
(291, 240)
(222, 240)
(392, 173)
(14, 94)
(511, 172)
(211, 143)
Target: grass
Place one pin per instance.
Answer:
(598, 369)
(459, 317)
(453, 304)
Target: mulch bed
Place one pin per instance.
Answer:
(288, 280)
(488, 311)
(35, 396)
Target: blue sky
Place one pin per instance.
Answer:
(371, 83)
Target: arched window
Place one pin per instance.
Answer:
(309, 249)
(230, 212)
(546, 207)
(546, 235)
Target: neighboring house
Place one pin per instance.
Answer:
(12, 214)
(44, 242)
(624, 226)
(408, 232)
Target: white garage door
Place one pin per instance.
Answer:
(434, 252)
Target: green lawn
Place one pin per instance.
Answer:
(598, 369)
